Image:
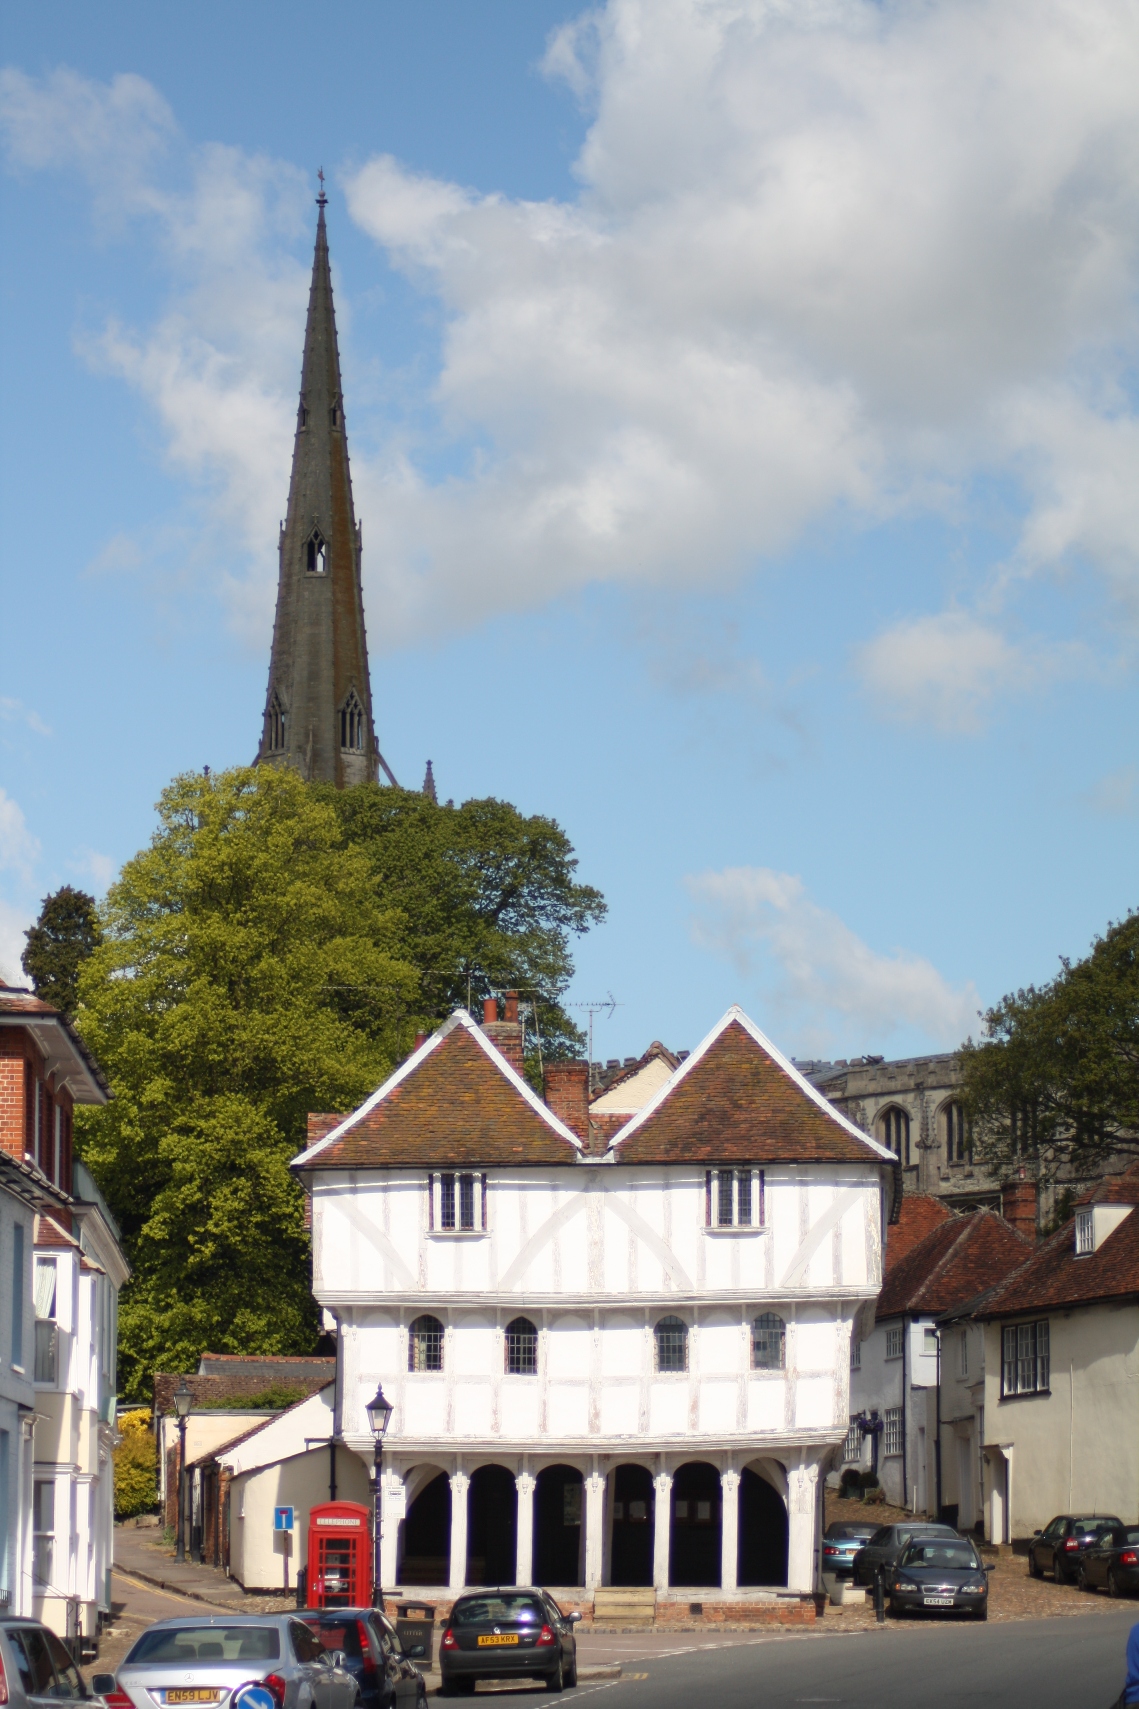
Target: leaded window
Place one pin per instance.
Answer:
(425, 1344)
(768, 1342)
(457, 1201)
(852, 1447)
(672, 1344)
(521, 1348)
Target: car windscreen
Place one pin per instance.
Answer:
(338, 1635)
(938, 1552)
(1100, 1524)
(1128, 1535)
(493, 1610)
(178, 1645)
(838, 1532)
(882, 1537)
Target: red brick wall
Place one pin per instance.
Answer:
(566, 1088)
(13, 1093)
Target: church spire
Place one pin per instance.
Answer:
(318, 709)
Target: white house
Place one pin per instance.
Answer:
(1061, 1379)
(613, 1361)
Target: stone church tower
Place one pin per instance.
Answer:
(318, 709)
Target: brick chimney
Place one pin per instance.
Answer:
(565, 1086)
(13, 1094)
(1018, 1204)
(506, 1034)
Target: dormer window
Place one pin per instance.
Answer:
(352, 725)
(1085, 1232)
(275, 718)
(315, 562)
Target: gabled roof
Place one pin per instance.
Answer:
(957, 1260)
(631, 1088)
(918, 1216)
(739, 1099)
(456, 1100)
(1055, 1276)
(65, 1054)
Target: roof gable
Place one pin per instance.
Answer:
(456, 1100)
(738, 1099)
(631, 1090)
(955, 1262)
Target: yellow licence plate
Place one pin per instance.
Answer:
(498, 1638)
(194, 1694)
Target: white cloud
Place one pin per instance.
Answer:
(18, 848)
(13, 924)
(819, 974)
(15, 712)
(98, 868)
(946, 669)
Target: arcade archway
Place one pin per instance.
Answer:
(694, 1548)
(492, 1526)
(762, 1532)
(427, 1529)
(558, 1526)
(632, 1509)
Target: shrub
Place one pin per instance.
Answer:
(136, 1480)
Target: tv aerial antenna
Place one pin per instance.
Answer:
(606, 1006)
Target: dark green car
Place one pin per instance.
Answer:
(939, 1575)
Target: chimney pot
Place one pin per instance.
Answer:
(512, 1007)
(489, 1010)
(420, 1040)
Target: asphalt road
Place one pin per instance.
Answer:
(1030, 1664)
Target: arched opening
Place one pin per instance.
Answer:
(427, 1533)
(425, 1344)
(958, 1139)
(894, 1132)
(671, 1336)
(694, 1554)
(762, 1532)
(352, 724)
(768, 1342)
(315, 554)
(521, 1348)
(492, 1526)
(557, 1526)
(632, 1553)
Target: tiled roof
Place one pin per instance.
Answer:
(18, 1004)
(918, 1216)
(208, 1391)
(738, 1099)
(231, 1442)
(955, 1262)
(1054, 1276)
(456, 1100)
(48, 1232)
(1115, 1189)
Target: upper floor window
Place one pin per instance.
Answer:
(733, 1198)
(1025, 1358)
(425, 1344)
(855, 1353)
(894, 1126)
(894, 1342)
(963, 1354)
(315, 554)
(352, 724)
(275, 720)
(1085, 1233)
(47, 1337)
(18, 1294)
(521, 1348)
(852, 1447)
(672, 1344)
(892, 1430)
(768, 1342)
(958, 1140)
(457, 1202)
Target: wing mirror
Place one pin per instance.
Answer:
(1038, 1533)
(575, 1617)
(102, 1683)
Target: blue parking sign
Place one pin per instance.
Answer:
(282, 1519)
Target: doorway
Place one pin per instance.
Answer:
(762, 1533)
(492, 1526)
(558, 1526)
(427, 1535)
(694, 1553)
(633, 1508)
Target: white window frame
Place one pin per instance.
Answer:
(895, 1335)
(714, 1182)
(1026, 1359)
(1085, 1232)
(855, 1353)
(892, 1432)
(852, 1444)
(454, 1230)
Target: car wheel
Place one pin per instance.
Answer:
(982, 1613)
(1034, 1566)
(1113, 1584)
(571, 1674)
(1082, 1578)
(556, 1680)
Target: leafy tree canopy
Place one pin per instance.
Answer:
(1054, 1083)
(57, 945)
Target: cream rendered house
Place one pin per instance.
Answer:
(616, 1361)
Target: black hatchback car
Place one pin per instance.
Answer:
(939, 1575)
(887, 1544)
(372, 1653)
(1058, 1548)
(1112, 1560)
(507, 1634)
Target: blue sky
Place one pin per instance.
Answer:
(742, 412)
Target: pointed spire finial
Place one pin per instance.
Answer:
(322, 199)
(429, 785)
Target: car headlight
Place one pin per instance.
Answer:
(975, 1584)
(904, 1584)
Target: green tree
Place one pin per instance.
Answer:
(1054, 1082)
(490, 897)
(136, 1474)
(249, 973)
(65, 934)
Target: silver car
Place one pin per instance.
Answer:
(206, 1660)
(35, 1668)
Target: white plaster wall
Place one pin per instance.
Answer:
(257, 1553)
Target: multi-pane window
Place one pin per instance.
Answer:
(855, 1353)
(1025, 1359)
(1085, 1233)
(456, 1201)
(734, 1198)
(852, 1447)
(768, 1342)
(958, 1144)
(892, 1430)
(43, 1530)
(672, 1344)
(425, 1344)
(894, 1342)
(46, 1365)
(352, 724)
(521, 1348)
(963, 1354)
(895, 1128)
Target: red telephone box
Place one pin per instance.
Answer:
(339, 1556)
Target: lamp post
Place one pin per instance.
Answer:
(379, 1413)
(183, 1401)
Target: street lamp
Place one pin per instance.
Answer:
(183, 1401)
(379, 1413)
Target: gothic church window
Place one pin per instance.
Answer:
(958, 1140)
(352, 724)
(315, 555)
(425, 1344)
(521, 1348)
(672, 1344)
(276, 719)
(895, 1128)
(769, 1342)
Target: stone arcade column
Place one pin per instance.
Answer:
(662, 1529)
(394, 1498)
(594, 1529)
(729, 1529)
(524, 1556)
(460, 1484)
(802, 1496)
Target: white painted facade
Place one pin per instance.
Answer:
(594, 1255)
(895, 1373)
(17, 1395)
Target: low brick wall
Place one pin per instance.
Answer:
(776, 1611)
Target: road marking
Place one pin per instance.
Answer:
(170, 1595)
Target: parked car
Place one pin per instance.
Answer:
(1112, 1559)
(507, 1633)
(35, 1667)
(1057, 1549)
(887, 1544)
(372, 1653)
(204, 1660)
(939, 1575)
(842, 1540)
